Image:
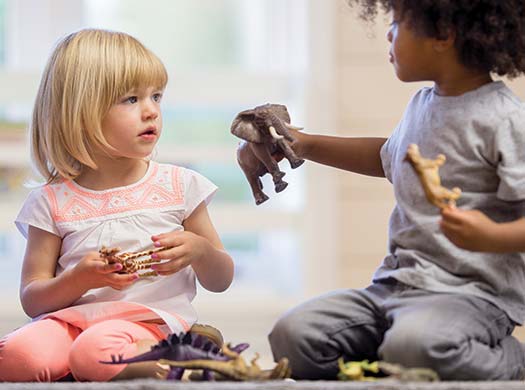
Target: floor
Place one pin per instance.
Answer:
(276, 385)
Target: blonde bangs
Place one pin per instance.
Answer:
(138, 68)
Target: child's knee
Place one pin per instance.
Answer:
(285, 333)
(292, 337)
(89, 348)
(409, 347)
(20, 362)
(101, 341)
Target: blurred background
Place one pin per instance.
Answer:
(327, 230)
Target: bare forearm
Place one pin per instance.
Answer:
(45, 295)
(215, 272)
(359, 155)
(509, 237)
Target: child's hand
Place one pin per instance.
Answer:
(299, 144)
(469, 229)
(93, 272)
(187, 248)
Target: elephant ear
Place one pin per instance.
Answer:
(245, 129)
(281, 112)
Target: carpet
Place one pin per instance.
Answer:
(147, 384)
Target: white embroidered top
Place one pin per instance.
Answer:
(124, 217)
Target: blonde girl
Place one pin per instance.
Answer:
(96, 121)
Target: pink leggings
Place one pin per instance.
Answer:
(49, 349)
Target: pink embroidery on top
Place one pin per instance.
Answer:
(161, 188)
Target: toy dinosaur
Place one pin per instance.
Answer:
(235, 368)
(365, 371)
(131, 261)
(427, 170)
(357, 371)
(180, 348)
(265, 134)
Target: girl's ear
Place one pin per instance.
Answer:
(443, 44)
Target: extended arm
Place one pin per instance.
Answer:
(359, 155)
(198, 245)
(41, 291)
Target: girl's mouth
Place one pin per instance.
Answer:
(148, 135)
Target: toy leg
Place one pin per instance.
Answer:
(263, 154)
(314, 335)
(290, 155)
(461, 337)
(256, 187)
(37, 351)
(252, 168)
(113, 337)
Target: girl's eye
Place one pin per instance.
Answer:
(157, 97)
(131, 99)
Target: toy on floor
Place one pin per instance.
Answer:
(427, 170)
(264, 131)
(365, 371)
(197, 351)
(131, 261)
(189, 346)
(234, 368)
(357, 371)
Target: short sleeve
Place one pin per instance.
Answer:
(390, 148)
(387, 152)
(197, 189)
(509, 144)
(386, 159)
(36, 212)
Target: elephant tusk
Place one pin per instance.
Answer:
(274, 134)
(292, 127)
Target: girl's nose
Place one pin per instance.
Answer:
(151, 111)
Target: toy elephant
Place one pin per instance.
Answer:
(264, 133)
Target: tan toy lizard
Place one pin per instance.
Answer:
(236, 368)
(427, 170)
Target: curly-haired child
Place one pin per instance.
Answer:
(96, 120)
(432, 303)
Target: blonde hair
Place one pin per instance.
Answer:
(87, 72)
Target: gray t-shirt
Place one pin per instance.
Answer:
(482, 135)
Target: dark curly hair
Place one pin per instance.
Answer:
(490, 34)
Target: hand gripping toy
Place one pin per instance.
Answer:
(132, 261)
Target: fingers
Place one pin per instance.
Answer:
(169, 254)
(451, 225)
(120, 281)
(176, 260)
(113, 278)
(104, 268)
(174, 238)
(451, 213)
(170, 267)
(175, 256)
(451, 230)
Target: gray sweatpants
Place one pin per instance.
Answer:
(461, 337)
